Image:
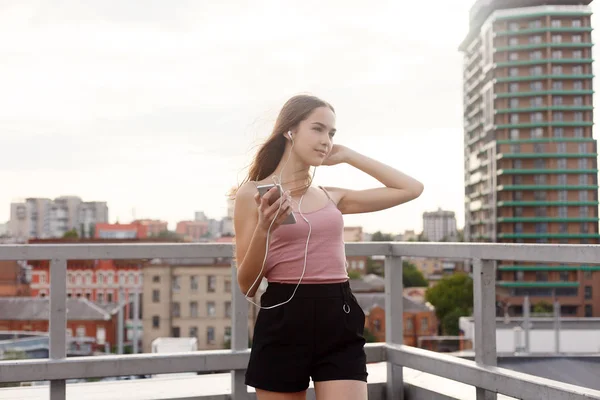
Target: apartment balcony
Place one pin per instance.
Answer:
(396, 371)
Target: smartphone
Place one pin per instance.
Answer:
(291, 219)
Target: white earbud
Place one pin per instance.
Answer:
(290, 135)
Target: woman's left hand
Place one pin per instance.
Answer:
(337, 155)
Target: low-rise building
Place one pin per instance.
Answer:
(190, 298)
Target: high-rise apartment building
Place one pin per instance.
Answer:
(530, 158)
(439, 225)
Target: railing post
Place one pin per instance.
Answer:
(58, 322)
(484, 313)
(239, 334)
(394, 333)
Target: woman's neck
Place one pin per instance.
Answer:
(292, 174)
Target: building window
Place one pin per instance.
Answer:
(583, 179)
(556, 23)
(540, 163)
(210, 335)
(557, 70)
(519, 227)
(564, 276)
(514, 118)
(227, 309)
(578, 132)
(562, 179)
(578, 101)
(193, 332)
(100, 298)
(587, 274)
(211, 310)
(518, 211)
(536, 86)
(557, 116)
(557, 54)
(582, 163)
(584, 228)
(541, 212)
(176, 309)
(155, 296)
(176, 332)
(156, 279)
(583, 212)
(562, 228)
(514, 134)
(557, 85)
(582, 148)
(556, 38)
(227, 335)
(227, 286)
(578, 116)
(541, 276)
(539, 147)
(562, 196)
(194, 309)
(578, 85)
(536, 102)
(176, 283)
(576, 23)
(561, 163)
(155, 322)
(561, 147)
(424, 324)
(109, 297)
(559, 132)
(211, 283)
(576, 38)
(194, 283)
(583, 195)
(577, 54)
(577, 70)
(588, 310)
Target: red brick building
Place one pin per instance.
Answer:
(419, 320)
(84, 318)
(13, 279)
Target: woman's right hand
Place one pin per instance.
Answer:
(267, 212)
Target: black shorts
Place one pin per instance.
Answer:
(318, 334)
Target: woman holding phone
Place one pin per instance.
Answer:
(310, 324)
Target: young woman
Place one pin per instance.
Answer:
(310, 324)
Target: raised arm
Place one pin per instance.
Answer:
(398, 187)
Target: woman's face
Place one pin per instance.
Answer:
(313, 138)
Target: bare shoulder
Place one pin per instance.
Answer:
(244, 196)
(335, 193)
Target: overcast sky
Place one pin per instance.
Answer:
(156, 106)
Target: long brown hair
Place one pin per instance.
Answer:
(294, 111)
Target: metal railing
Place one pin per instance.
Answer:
(481, 373)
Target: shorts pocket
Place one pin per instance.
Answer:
(355, 318)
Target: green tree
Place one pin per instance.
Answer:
(369, 336)
(373, 267)
(353, 274)
(411, 276)
(169, 235)
(542, 307)
(452, 298)
(381, 237)
(72, 234)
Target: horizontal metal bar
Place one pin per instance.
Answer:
(563, 253)
(139, 364)
(115, 251)
(120, 251)
(500, 380)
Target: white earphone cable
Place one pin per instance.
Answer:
(259, 276)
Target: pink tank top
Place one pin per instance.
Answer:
(326, 257)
